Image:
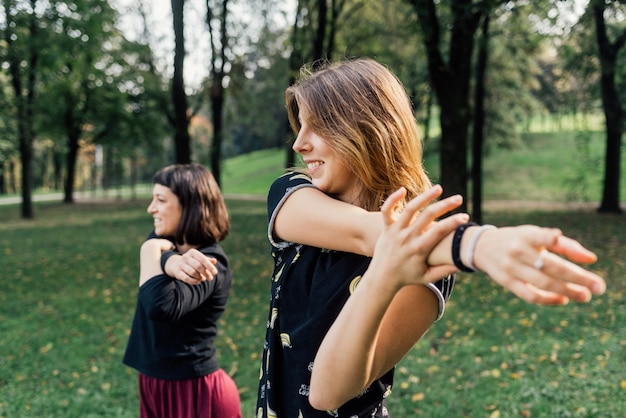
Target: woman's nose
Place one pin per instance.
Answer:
(300, 144)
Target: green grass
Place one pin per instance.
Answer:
(68, 294)
(550, 167)
(253, 173)
(69, 281)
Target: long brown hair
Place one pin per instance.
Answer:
(205, 219)
(363, 112)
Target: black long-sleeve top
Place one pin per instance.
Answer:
(175, 324)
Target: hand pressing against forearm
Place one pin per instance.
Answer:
(192, 267)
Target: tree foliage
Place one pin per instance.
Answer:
(75, 87)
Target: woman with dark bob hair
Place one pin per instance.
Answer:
(184, 283)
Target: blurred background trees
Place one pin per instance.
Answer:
(96, 94)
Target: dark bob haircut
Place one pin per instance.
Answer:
(204, 219)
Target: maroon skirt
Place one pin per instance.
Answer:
(211, 396)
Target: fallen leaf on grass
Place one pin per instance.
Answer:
(46, 348)
(418, 397)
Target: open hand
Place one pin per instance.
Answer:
(525, 259)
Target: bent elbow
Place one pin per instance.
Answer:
(326, 397)
(323, 403)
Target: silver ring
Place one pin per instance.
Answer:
(539, 262)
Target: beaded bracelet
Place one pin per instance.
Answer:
(469, 254)
(456, 246)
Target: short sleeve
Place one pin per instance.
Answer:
(442, 289)
(279, 191)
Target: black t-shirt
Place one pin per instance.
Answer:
(303, 307)
(175, 324)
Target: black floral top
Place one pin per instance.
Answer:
(309, 288)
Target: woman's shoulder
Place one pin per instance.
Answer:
(285, 185)
(291, 178)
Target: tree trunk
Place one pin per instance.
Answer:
(296, 59)
(25, 101)
(217, 105)
(613, 111)
(26, 157)
(479, 124)
(217, 91)
(320, 34)
(451, 83)
(72, 154)
(182, 138)
(3, 189)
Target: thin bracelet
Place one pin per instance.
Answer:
(469, 254)
(456, 246)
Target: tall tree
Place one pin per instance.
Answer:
(82, 37)
(182, 139)
(451, 81)
(22, 36)
(313, 40)
(217, 14)
(479, 122)
(613, 110)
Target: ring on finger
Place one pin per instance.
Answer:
(540, 261)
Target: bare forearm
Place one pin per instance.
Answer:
(346, 363)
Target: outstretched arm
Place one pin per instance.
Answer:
(392, 313)
(507, 255)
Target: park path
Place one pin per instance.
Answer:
(489, 205)
(89, 197)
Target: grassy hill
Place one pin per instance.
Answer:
(550, 167)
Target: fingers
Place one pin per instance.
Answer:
(552, 280)
(532, 294)
(390, 204)
(196, 267)
(569, 279)
(573, 250)
(423, 202)
(529, 261)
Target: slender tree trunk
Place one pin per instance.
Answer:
(3, 189)
(26, 157)
(217, 91)
(613, 111)
(217, 105)
(429, 115)
(479, 124)
(70, 173)
(320, 35)
(295, 62)
(182, 138)
(25, 97)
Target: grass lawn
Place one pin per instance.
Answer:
(69, 283)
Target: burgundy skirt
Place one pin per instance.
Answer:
(211, 396)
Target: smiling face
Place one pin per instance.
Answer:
(166, 210)
(327, 170)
